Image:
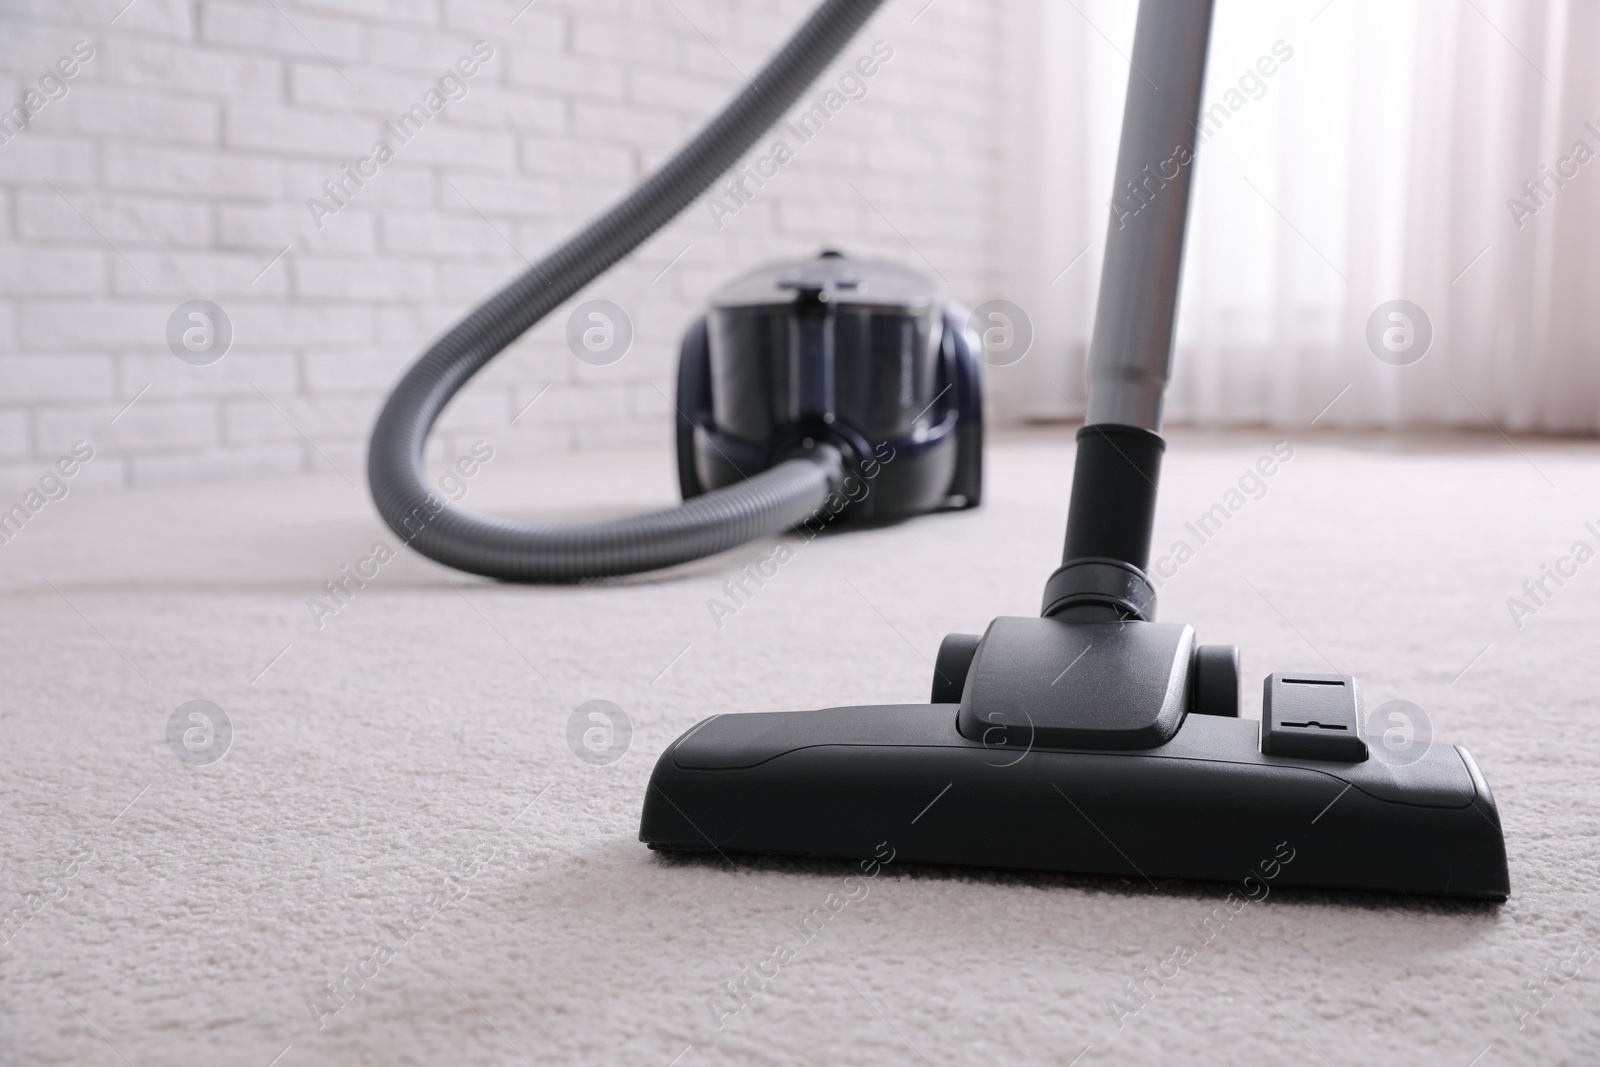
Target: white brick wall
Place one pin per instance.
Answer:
(180, 160)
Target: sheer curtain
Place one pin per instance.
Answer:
(1355, 152)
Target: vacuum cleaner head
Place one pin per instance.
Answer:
(857, 353)
(1091, 747)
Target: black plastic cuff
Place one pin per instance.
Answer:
(1100, 581)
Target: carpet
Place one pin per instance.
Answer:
(375, 841)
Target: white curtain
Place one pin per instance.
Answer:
(1441, 152)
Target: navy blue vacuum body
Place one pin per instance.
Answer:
(861, 355)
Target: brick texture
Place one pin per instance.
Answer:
(180, 158)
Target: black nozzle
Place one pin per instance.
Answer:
(1114, 494)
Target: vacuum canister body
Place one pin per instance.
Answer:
(859, 354)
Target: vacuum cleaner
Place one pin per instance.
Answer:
(1090, 739)
(860, 356)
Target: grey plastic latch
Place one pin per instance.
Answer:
(1312, 716)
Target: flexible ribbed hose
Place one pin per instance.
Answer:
(766, 503)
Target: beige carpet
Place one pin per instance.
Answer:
(400, 811)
